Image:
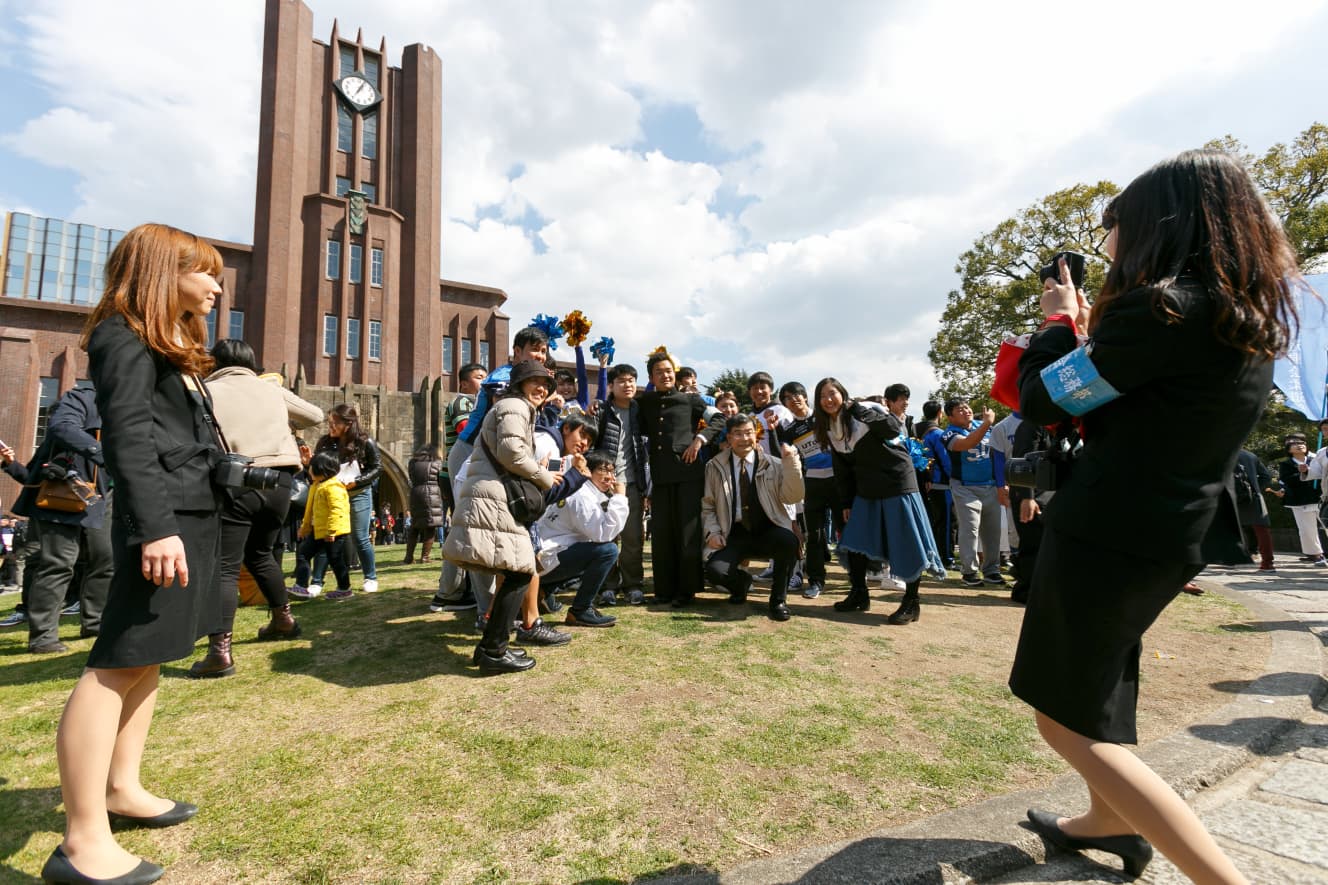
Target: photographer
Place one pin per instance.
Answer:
(256, 416)
(71, 447)
(1194, 308)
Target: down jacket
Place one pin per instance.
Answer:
(426, 491)
(484, 534)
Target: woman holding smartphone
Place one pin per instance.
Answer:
(1194, 308)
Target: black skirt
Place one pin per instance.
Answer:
(145, 624)
(1088, 608)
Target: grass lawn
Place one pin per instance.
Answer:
(368, 750)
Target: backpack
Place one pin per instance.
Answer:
(1246, 494)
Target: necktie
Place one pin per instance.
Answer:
(748, 497)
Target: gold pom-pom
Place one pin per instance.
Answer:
(576, 327)
(664, 350)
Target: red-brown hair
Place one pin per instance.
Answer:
(143, 286)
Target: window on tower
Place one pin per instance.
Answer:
(333, 260)
(329, 335)
(347, 59)
(352, 338)
(372, 69)
(375, 339)
(376, 267)
(356, 262)
(370, 146)
(345, 128)
(343, 185)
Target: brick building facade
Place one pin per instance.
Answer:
(341, 290)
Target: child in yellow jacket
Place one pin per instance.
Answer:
(326, 522)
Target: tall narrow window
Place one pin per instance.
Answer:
(370, 146)
(48, 392)
(370, 191)
(372, 69)
(484, 356)
(467, 350)
(352, 338)
(375, 339)
(236, 329)
(356, 262)
(333, 259)
(376, 267)
(347, 59)
(345, 128)
(329, 335)
(343, 185)
(449, 355)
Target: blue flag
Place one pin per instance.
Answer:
(1303, 373)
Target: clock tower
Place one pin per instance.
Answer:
(344, 281)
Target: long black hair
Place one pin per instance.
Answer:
(1199, 215)
(351, 444)
(821, 418)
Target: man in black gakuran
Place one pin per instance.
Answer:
(674, 425)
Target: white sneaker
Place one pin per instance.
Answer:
(370, 585)
(315, 590)
(889, 581)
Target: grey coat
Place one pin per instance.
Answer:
(484, 534)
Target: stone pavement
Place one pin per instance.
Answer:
(1256, 771)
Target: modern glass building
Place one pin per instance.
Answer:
(47, 259)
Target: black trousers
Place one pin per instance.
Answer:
(629, 571)
(766, 540)
(506, 607)
(939, 509)
(55, 576)
(251, 522)
(676, 539)
(1024, 562)
(820, 508)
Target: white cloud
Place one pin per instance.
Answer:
(875, 143)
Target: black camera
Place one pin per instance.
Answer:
(237, 472)
(1053, 271)
(1044, 470)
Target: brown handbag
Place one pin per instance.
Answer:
(68, 495)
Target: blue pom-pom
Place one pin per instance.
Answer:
(601, 347)
(550, 326)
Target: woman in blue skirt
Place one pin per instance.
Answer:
(886, 520)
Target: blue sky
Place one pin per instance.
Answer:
(761, 185)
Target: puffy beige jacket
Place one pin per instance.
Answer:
(484, 534)
(778, 485)
(256, 416)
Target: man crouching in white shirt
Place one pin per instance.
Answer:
(577, 539)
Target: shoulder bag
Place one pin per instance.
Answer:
(525, 500)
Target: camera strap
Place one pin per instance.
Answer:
(204, 397)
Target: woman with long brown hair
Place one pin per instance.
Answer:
(145, 342)
(1195, 307)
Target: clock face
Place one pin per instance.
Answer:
(358, 91)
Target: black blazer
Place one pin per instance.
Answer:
(669, 422)
(157, 446)
(1124, 492)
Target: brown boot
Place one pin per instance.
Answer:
(218, 661)
(282, 625)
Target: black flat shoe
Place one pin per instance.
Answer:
(178, 814)
(1134, 851)
(907, 613)
(779, 612)
(59, 870)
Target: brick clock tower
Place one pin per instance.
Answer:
(344, 280)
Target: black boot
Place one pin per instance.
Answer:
(857, 600)
(909, 609)
(218, 661)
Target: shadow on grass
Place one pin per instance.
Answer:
(870, 860)
(25, 812)
(41, 668)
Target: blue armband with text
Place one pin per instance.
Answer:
(1074, 384)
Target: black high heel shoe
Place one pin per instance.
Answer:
(60, 871)
(1134, 851)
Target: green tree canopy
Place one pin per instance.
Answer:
(735, 381)
(999, 285)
